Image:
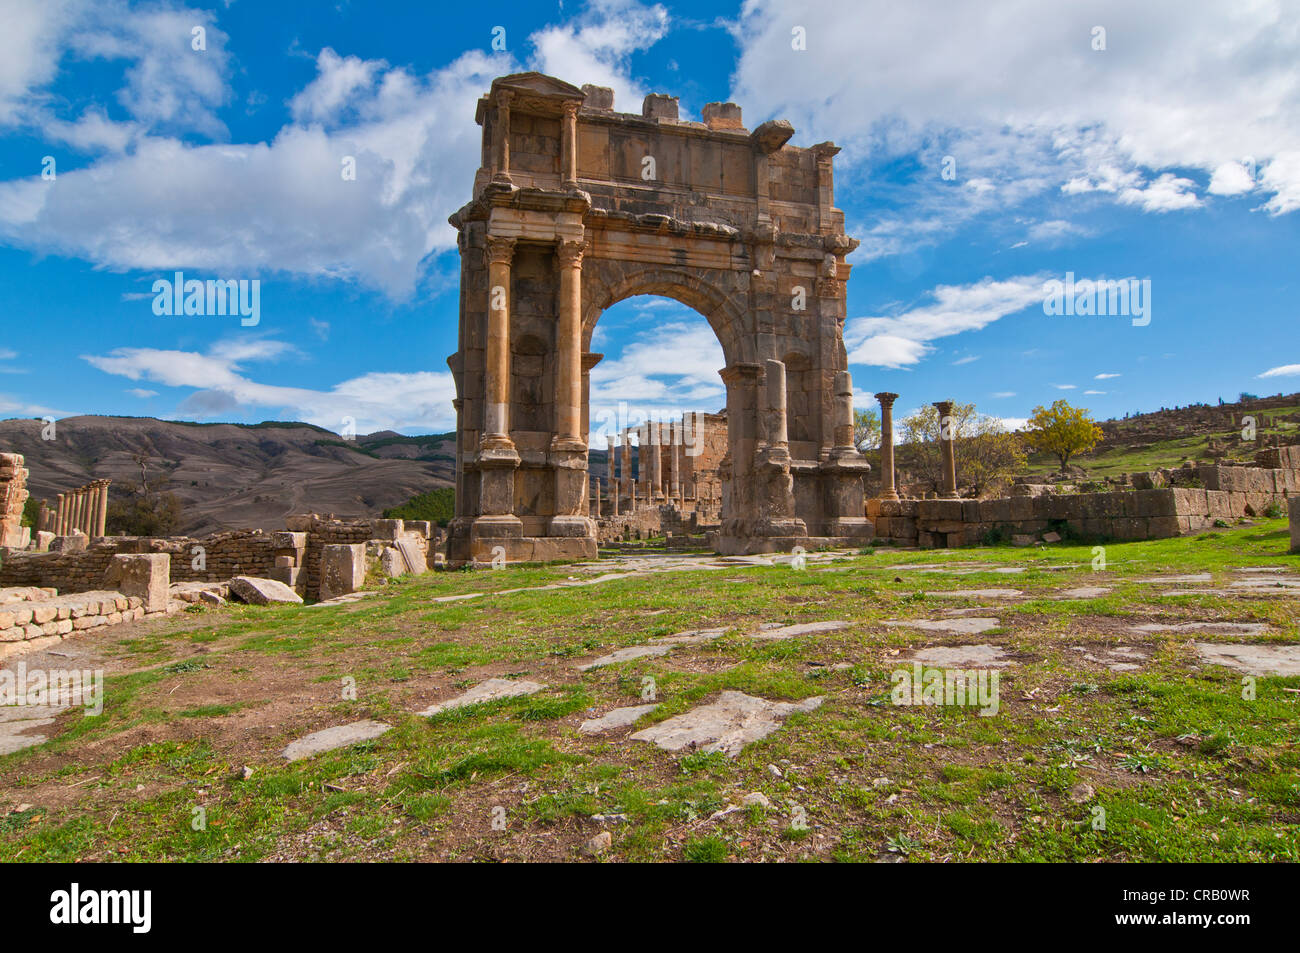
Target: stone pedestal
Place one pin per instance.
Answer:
(1293, 512)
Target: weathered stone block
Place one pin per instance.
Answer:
(342, 569)
(385, 529)
(1293, 514)
(146, 575)
(261, 592)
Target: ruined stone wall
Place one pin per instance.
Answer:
(1121, 515)
(13, 496)
(236, 553)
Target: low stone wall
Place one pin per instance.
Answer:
(1120, 515)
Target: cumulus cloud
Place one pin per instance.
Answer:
(903, 339)
(157, 201)
(1024, 104)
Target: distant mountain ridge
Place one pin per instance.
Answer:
(236, 476)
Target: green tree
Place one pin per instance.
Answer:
(1062, 431)
(866, 429)
(987, 454)
(145, 508)
(436, 506)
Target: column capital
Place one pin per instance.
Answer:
(570, 253)
(943, 406)
(499, 250)
(886, 399)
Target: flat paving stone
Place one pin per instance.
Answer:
(778, 631)
(344, 599)
(1186, 577)
(340, 736)
(725, 725)
(1121, 658)
(689, 637)
(490, 690)
(962, 656)
(1252, 659)
(1084, 592)
(629, 653)
(1265, 582)
(613, 720)
(977, 593)
(1218, 628)
(970, 625)
(17, 722)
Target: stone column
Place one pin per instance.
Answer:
(43, 520)
(502, 173)
(842, 431)
(568, 346)
(625, 473)
(776, 433)
(92, 507)
(568, 451)
(675, 459)
(656, 460)
(569, 146)
(101, 517)
(497, 459)
(78, 508)
(947, 436)
(60, 514)
(496, 383)
(888, 491)
(611, 468)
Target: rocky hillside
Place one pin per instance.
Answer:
(236, 476)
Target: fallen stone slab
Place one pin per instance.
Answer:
(262, 592)
(778, 631)
(689, 637)
(1252, 659)
(962, 656)
(970, 625)
(976, 593)
(727, 724)
(628, 654)
(1084, 592)
(1121, 658)
(340, 736)
(1187, 577)
(344, 599)
(1218, 628)
(16, 721)
(613, 720)
(1249, 592)
(490, 690)
(1265, 582)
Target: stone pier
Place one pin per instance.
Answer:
(888, 489)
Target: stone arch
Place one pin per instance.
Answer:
(564, 222)
(706, 294)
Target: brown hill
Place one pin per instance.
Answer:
(236, 476)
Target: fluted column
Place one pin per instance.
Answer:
(78, 509)
(101, 516)
(888, 490)
(502, 173)
(568, 348)
(947, 436)
(775, 407)
(496, 383)
(60, 514)
(842, 432)
(675, 459)
(656, 460)
(569, 146)
(611, 468)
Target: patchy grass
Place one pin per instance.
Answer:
(1167, 762)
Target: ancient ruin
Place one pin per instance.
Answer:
(576, 207)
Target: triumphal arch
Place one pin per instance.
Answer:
(576, 207)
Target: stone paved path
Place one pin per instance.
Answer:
(725, 725)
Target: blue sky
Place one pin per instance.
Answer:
(987, 149)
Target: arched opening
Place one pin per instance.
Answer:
(660, 369)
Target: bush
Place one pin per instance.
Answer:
(436, 506)
(1275, 511)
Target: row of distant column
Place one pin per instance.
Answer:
(652, 437)
(84, 510)
(948, 458)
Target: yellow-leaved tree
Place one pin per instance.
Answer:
(1062, 431)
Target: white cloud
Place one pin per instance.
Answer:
(1286, 370)
(903, 339)
(1002, 394)
(1231, 178)
(1166, 194)
(1093, 393)
(1064, 386)
(1014, 423)
(243, 209)
(1021, 101)
(968, 359)
(7, 354)
(141, 392)
(1104, 377)
(1055, 231)
(220, 387)
(597, 47)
